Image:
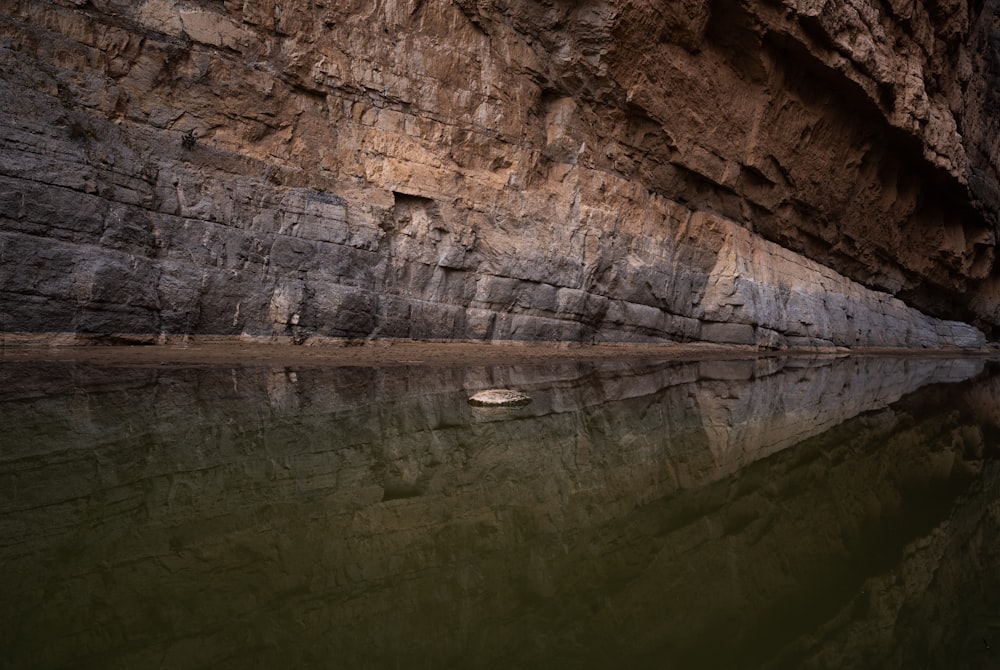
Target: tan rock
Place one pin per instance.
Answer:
(822, 172)
(499, 398)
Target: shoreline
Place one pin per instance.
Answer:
(230, 350)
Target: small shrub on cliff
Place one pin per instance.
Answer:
(80, 131)
(189, 139)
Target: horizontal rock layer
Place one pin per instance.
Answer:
(810, 174)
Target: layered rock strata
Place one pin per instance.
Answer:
(773, 174)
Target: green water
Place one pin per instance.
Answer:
(768, 514)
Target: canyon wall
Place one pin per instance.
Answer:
(793, 173)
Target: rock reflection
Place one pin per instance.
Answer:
(749, 514)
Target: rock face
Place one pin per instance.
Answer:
(794, 173)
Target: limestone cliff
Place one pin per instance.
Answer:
(799, 172)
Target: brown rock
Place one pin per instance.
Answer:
(816, 173)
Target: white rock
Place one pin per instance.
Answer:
(499, 398)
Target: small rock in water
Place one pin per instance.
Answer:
(499, 398)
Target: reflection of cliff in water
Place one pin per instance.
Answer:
(715, 514)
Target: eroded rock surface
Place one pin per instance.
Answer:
(794, 173)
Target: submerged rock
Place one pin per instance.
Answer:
(499, 398)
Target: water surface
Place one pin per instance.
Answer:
(772, 514)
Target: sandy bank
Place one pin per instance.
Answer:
(229, 351)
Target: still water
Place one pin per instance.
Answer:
(755, 514)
